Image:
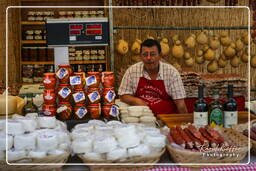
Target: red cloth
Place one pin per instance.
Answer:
(153, 92)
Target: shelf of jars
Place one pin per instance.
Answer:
(71, 62)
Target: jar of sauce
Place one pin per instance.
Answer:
(94, 110)
(110, 110)
(108, 79)
(93, 79)
(63, 73)
(64, 92)
(108, 95)
(79, 96)
(80, 111)
(78, 80)
(93, 95)
(49, 109)
(49, 96)
(64, 110)
(49, 80)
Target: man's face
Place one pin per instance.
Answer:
(150, 57)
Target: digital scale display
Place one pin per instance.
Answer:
(90, 29)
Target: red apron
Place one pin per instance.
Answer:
(154, 94)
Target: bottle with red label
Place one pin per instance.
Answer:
(80, 112)
(64, 92)
(108, 79)
(63, 73)
(49, 80)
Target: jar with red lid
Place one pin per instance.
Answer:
(108, 79)
(93, 95)
(63, 73)
(64, 92)
(49, 109)
(78, 80)
(108, 95)
(49, 80)
(80, 111)
(93, 79)
(110, 110)
(64, 110)
(79, 96)
(94, 110)
(49, 96)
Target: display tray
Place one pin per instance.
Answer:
(181, 119)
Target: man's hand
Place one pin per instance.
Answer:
(181, 106)
(131, 100)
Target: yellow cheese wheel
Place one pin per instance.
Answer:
(12, 104)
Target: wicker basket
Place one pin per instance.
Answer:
(50, 159)
(230, 135)
(240, 128)
(151, 159)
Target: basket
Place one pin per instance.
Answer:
(233, 137)
(151, 159)
(50, 159)
(240, 128)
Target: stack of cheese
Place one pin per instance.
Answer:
(33, 137)
(114, 140)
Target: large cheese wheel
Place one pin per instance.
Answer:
(12, 104)
(25, 142)
(104, 144)
(118, 153)
(47, 141)
(82, 145)
(16, 154)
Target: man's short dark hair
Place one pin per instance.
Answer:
(150, 43)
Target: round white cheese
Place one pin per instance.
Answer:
(147, 119)
(128, 141)
(96, 122)
(15, 127)
(80, 133)
(32, 115)
(56, 152)
(25, 142)
(47, 141)
(28, 124)
(118, 153)
(104, 144)
(155, 140)
(114, 123)
(135, 111)
(47, 122)
(124, 129)
(62, 135)
(3, 141)
(94, 156)
(37, 154)
(140, 150)
(85, 126)
(130, 119)
(64, 146)
(16, 154)
(82, 145)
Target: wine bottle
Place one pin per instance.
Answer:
(230, 109)
(216, 111)
(200, 109)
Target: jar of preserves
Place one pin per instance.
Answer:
(108, 79)
(63, 73)
(79, 96)
(110, 110)
(80, 111)
(94, 110)
(93, 79)
(64, 92)
(109, 95)
(49, 109)
(49, 80)
(64, 110)
(49, 96)
(78, 80)
(93, 95)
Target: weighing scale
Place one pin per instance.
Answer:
(62, 33)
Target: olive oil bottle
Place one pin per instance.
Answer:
(216, 111)
(30, 107)
(230, 109)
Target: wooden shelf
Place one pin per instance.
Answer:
(33, 41)
(33, 23)
(88, 62)
(71, 62)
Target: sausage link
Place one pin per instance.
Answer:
(176, 137)
(188, 141)
(196, 141)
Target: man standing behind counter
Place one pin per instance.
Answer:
(153, 83)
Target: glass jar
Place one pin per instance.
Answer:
(49, 109)
(50, 54)
(108, 95)
(93, 95)
(49, 80)
(80, 111)
(108, 79)
(27, 71)
(49, 96)
(64, 110)
(33, 53)
(30, 107)
(79, 96)
(93, 79)
(63, 73)
(94, 110)
(110, 110)
(64, 92)
(78, 80)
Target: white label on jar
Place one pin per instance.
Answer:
(79, 96)
(62, 108)
(102, 78)
(61, 73)
(110, 96)
(201, 118)
(64, 92)
(47, 81)
(46, 112)
(91, 80)
(75, 80)
(48, 97)
(230, 118)
(94, 96)
(81, 112)
(114, 111)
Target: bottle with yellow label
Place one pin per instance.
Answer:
(216, 111)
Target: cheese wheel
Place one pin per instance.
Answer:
(148, 114)
(17, 116)
(103, 133)
(118, 153)
(56, 152)
(96, 122)
(2, 124)
(124, 129)
(94, 156)
(103, 127)
(85, 126)
(47, 141)
(82, 145)
(140, 150)
(151, 130)
(149, 124)
(62, 136)
(12, 104)
(2, 155)
(128, 141)
(80, 133)
(47, 122)
(147, 119)
(130, 119)
(28, 124)
(135, 111)
(104, 144)
(31, 115)
(25, 142)
(16, 154)
(114, 123)
(37, 154)
(64, 146)
(3, 141)
(155, 140)
(15, 127)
